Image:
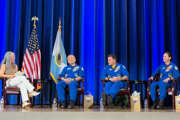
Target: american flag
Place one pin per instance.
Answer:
(32, 58)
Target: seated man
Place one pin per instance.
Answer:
(167, 72)
(70, 76)
(114, 74)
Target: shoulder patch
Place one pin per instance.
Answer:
(123, 66)
(82, 68)
(176, 68)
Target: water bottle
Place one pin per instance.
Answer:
(145, 104)
(2, 101)
(1, 105)
(101, 105)
(54, 106)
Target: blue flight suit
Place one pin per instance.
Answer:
(112, 88)
(165, 71)
(69, 72)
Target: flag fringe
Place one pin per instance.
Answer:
(53, 78)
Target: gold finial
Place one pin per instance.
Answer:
(34, 19)
(60, 25)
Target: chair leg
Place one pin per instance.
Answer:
(79, 100)
(83, 99)
(105, 102)
(31, 101)
(148, 103)
(173, 101)
(129, 99)
(18, 99)
(5, 100)
(57, 101)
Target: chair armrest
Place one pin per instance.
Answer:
(81, 80)
(104, 81)
(3, 78)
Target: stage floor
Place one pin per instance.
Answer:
(48, 108)
(13, 112)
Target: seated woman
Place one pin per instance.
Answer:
(8, 69)
(167, 72)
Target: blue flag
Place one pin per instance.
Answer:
(58, 60)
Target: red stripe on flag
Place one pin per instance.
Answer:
(29, 62)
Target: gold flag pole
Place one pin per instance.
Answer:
(60, 25)
(34, 19)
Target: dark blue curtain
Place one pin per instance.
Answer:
(137, 31)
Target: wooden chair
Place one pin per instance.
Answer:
(170, 91)
(10, 91)
(123, 91)
(80, 92)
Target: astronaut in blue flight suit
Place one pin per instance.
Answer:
(70, 76)
(114, 73)
(167, 71)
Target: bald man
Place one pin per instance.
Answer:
(70, 76)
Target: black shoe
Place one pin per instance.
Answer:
(109, 101)
(160, 105)
(63, 105)
(124, 106)
(155, 103)
(71, 104)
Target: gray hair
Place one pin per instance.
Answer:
(7, 59)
